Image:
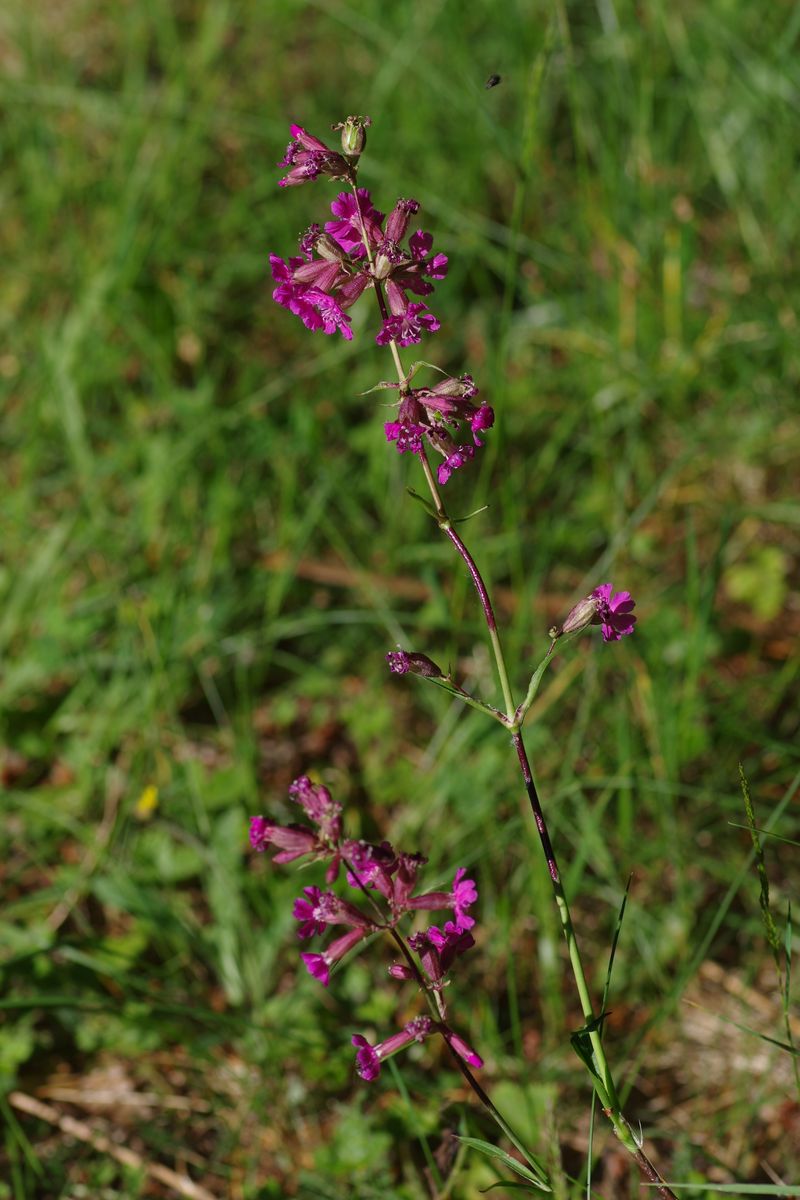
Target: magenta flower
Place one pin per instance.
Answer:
(405, 879)
(451, 942)
(318, 805)
(304, 911)
(319, 289)
(458, 458)
(370, 866)
(308, 158)
(438, 948)
(369, 1058)
(405, 270)
(347, 230)
(319, 965)
(314, 306)
(434, 415)
(368, 1064)
(407, 328)
(295, 841)
(393, 875)
(320, 909)
(292, 841)
(613, 613)
(420, 244)
(463, 895)
(399, 217)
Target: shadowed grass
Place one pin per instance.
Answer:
(208, 549)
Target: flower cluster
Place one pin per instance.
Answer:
(387, 881)
(352, 253)
(362, 249)
(434, 415)
(307, 157)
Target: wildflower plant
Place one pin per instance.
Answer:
(387, 881)
(439, 421)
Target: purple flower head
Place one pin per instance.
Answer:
(370, 866)
(304, 911)
(292, 841)
(319, 965)
(369, 1058)
(333, 270)
(463, 895)
(458, 457)
(406, 270)
(321, 909)
(399, 662)
(347, 230)
(311, 303)
(422, 945)
(319, 806)
(483, 419)
(332, 314)
(308, 158)
(438, 948)
(420, 245)
(451, 942)
(434, 415)
(407, 329)
(368, 1064)
(614, 613)
(408, 435)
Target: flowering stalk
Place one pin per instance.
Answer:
(356, 252)
(387, 881)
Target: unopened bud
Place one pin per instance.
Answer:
(460, 385)
(354, 134)
(328, 249)
(402, 663)
(582, 615)
(398, 219)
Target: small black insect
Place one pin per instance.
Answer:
(493, 81)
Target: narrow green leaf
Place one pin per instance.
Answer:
(426, 504)
(513, 1164)
(766, 913)
(736, 1189)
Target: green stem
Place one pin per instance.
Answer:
(447, 685)
(533, 687)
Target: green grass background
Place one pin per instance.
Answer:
(207, 549)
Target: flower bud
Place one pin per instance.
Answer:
(328, 249)
(398, 219)
(581, 615)
(402, 663)
(354, 134)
